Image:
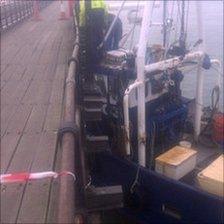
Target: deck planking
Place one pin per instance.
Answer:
(34, 61)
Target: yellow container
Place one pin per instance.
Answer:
(176, 162)
(211, 179)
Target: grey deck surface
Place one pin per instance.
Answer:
(34, 59)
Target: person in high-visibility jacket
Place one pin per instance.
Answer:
(92, 20)
(92, 6)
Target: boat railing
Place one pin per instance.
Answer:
(161, 66)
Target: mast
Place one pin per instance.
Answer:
(182, 31)
(200, 77)
(140, 62)
(164, 23)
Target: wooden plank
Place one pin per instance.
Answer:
(31, 102)
(6, 75)
(35, 211)
(16, 90)
(36, 120)
(17, 123)
(10, 103)
(53, 117)
(58, 85)
(12, 195)
(8, 146)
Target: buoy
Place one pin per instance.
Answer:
(218, 128)
(62, 11)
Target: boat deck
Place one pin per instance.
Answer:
(34, 58)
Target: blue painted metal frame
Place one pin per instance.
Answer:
(154, 191)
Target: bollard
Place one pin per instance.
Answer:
(36, 11)
(70, 7)
(62, 11)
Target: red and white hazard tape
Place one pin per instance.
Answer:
(21, 177)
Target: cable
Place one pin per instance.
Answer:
(135, 180)
(152, 145)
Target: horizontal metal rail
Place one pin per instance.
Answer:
(15, 11)
(66, 203)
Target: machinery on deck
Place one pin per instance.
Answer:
(132, 111)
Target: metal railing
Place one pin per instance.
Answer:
(15, 11)
(69, 140)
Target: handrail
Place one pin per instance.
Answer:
(66, 203)
(133, 86)
(15, 11)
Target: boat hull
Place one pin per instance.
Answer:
(156, 199)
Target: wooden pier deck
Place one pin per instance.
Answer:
(34, 61)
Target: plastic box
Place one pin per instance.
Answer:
(211, 179)
(176, 162)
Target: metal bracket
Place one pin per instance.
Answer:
(67, 127)
(76, 43)
(73, 59)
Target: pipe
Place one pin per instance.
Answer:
(219, 78)
(200, 77)
(126, 114)
(66, 204)
(217, 63)
(173, 62)
(140, 63)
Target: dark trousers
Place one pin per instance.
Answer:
(95, 33)
(112, 42)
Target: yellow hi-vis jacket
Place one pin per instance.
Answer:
(95, 4)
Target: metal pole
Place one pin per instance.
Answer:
(164, 23)
(182, 31)
(126, 115)
(200, 77)
(66, 205)
(140, 62)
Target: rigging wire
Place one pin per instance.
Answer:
(164, 23)
(169, 31)
(177, 20)
(182, 28)
(132, 189)
(187, 15)
(133, 29)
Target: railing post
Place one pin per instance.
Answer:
(19, 7)
(10, 11)
(6, 16)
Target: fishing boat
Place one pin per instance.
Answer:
(132, 114)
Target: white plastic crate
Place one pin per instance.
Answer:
(176, 162)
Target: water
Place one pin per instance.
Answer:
(212, 12)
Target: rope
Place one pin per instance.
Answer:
(132, 189)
